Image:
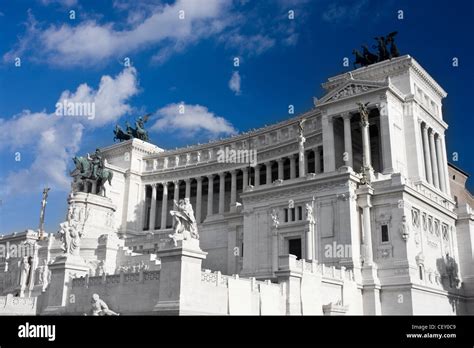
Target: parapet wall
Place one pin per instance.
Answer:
(10, 305)
(128, 293)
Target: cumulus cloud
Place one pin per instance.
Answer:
(109, 99)
(234, 83)
(179, 24)
(190, 120)
(53, 139)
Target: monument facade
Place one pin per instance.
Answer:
(348, 209)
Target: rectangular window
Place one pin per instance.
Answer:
(294, 247)
(300, 213)
(286, 215)
(293, 214)
(384, 233)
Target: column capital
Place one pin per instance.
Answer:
(346, 115)
(210, 176)
(154, 185)
(233, 172)
(280, 160)
(222, 174)
(176, 182)
(187, 180)
(268, 163)
(164, 183)
(199, 179)
(245, 169)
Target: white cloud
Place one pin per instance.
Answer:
(64, 3)
(53, 140)
(90, 42)
(110, 98)
(190, 120)
(234, 83)
(348, 11)
(249, 45)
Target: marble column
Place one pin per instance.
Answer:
(210, 194)
(439, 155)
(275, 252)
(176, 190)
(268, 172)
(426, 150)
(292, 166)
(245, 178)
(445, 165)
(188, 188)
(233, 188)
(280, 169)
(164, 206)
(153, 207)
(434, 159)
(364, 201)
(347, 139)
(257, 175)
(198, 199)
(221, 192)
(367, 162)
(317, 160)
(309, 241)
(328, 144)
(301, 156)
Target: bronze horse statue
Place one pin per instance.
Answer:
(83, 173)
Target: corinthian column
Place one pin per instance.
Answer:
(221, 192)
(268, 172)
(280, 169)
(292, 167)
(198, 199)
(164, 206)
(245, 178)
(257, 175)
(426, 151)
(434, 159)
(188, 188)
(153, 207)
(176, 190)
(347, 138)
(210, 194)
(233, 189)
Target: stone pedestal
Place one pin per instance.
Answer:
(63, 270)
(180, 278)
(371, 290)
(97, 221)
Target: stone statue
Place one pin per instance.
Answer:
(44, 275)
(364, 113)
(275, 219)
(72, 229)
(452, 271)
(100, 308)
(310, 213)
(138, 132)
(404, 232)
(24, 273)
(43, 208)
(184, 222)
(89, 170)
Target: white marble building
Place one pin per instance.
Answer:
(379, 190)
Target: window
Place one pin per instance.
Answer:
(300, 213)
(286, 215)
(293, 214)
(420, 268)
(294, 247)
(141, 247)
(384, 230)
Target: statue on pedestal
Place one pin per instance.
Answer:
(91, 173)
(72, 230)
(138, 132)
(184, 222)
(24, 274)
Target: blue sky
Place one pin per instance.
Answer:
(190, 60)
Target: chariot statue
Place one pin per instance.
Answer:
(386, 49)
(138, 132)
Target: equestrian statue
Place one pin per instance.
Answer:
(90, 174)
